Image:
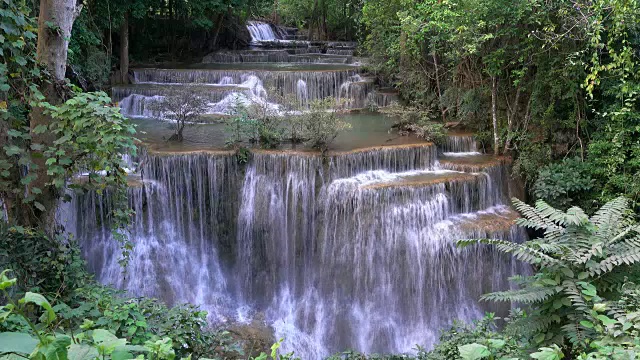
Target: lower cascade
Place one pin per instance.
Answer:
(350, 250)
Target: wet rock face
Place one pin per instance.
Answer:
(253, 337)
(233, 35)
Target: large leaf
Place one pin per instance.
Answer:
(12, 342)
(56, 349)
(5, 282)
(82, 352)
(41, 301)
(100, 336)
(106, 341)
(473, 351)
(121, 353)
(548, 353)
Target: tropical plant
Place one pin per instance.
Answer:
(410, 120)
(582, 264)
(41, 342)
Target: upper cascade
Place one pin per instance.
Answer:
(279, 67)
(261, 31)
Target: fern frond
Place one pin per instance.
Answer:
(522, 252)
(609, 263)
(610, 217)
(575, 216)
(537, 324)
(534, 219)
(575, 332)
(527, 295)
(575, 296)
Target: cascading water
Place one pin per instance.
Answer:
(180, 228)
(261, 31)
(302, 93)
(459, 143)
(355, 250)
(224, 88)
(351, 249)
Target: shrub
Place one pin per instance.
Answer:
(560, 184)
(182, 107)
(80, 304)
(322, 124)
(416, 121)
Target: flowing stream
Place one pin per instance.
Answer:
(354, 249)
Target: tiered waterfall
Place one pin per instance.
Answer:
(342, 250)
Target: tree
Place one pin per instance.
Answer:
(182, 107)
(322, 124)
(50, 132)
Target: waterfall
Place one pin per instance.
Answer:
(390, 158)
(459, 143)
(136, 105)
(302, 93)
(349, 250)
(180, 231)
(335, 250)
(225, 88)
(261, 31)
(249, 56)
(354, 92)
(348, 52)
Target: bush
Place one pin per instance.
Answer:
(322, 124)
(561, 184)
(416, 121)
(583, 265)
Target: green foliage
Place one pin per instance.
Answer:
(582, 266)
(338, 18)
(566, 78)
(275, 355)
(559, 183)
(43, 342)
(87, 55)
(477, 341)
(57, 267)
(269, 132)
(84, 133)
(239, 127)
(530, 160)
(415, 121)
(322, 124)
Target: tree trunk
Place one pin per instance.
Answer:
(313, 19)
(276, 19)
(124, 49)
(219, 22)
(54, 31)
(435, 63)
(511, 119)
(494, 115)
